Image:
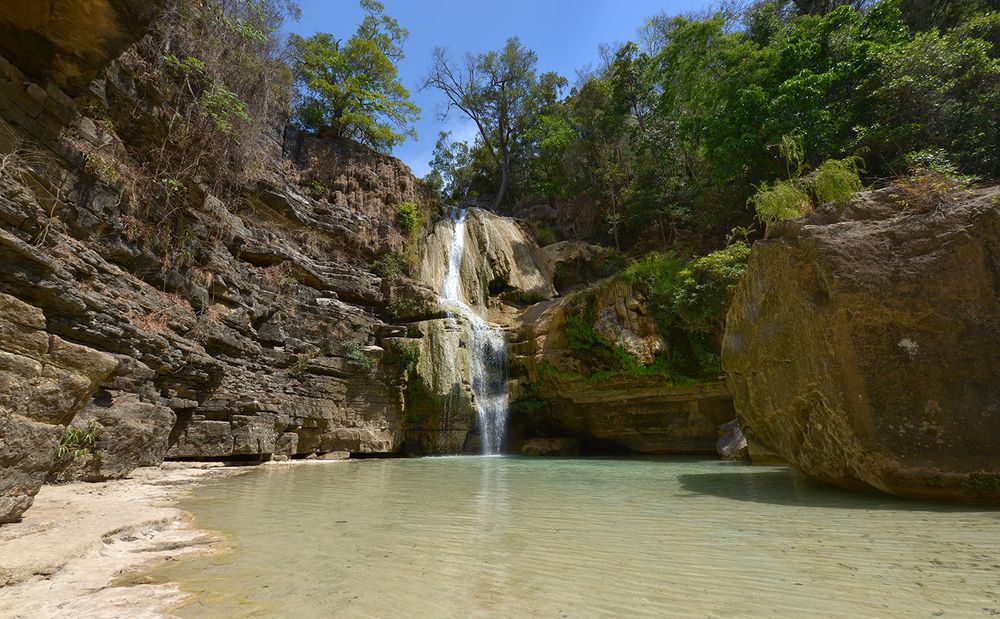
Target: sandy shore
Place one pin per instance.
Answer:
(72, 554)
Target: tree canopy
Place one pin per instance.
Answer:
(674, 135)
(352, 89)
(501, 93)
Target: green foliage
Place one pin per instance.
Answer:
(836, 180)
(317, 189)
(79, 442)
(501, 92)
(762, 112)
(353, 351)
(390, 265)
(406, 354)
(352, 89)
(780, 201)
(705, 288)
(546, 235)
(409, 217)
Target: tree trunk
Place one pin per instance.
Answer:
(502, 191)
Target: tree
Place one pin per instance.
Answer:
(352, 90)
(501, 93)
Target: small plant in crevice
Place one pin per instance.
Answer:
(77, 442)
(409, 217)
(402, 307)
(317, 189)
(390, 265)
(353, 351)
(933, 182)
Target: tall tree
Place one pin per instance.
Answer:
(352, 89)
(500, 92)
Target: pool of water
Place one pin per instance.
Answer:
(517, 537)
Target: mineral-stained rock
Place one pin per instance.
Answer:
(69, 41)
(864, 347)
(499, 260)
(620, 317)
(571, 264)
(44, 381)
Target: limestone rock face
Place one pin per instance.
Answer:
(44, 381)
(571, 264)
(622, 319)
(69, 41)
(862, 347)
(500, 260)
(129, 434)
(645, 414)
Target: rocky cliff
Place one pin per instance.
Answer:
(259, 334)
(863, 345)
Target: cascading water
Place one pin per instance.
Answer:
(487, 349)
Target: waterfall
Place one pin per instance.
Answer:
(487, 349)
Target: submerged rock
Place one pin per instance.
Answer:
(551, 447)
(864, 347)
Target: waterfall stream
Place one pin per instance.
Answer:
(487, 349)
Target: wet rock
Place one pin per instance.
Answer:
(619, 412)
(732, 444)
(551, 447)
(862, 346)
(499, 260)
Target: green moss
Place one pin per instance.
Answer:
(982, 484)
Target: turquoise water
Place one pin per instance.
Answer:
(517, 537)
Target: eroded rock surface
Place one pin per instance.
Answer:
(44, 381)
(864, 347)
(561, 395)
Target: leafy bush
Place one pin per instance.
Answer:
(933, 182)
(79, 442)
(353, 351)
(706, 285)
(408, 216)
(390, 265)
(836, 180)
(546, 236)
(778, 202)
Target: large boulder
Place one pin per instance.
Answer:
(128, 434)
(864, 346)
(44, 381)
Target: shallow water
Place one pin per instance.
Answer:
(515, 537)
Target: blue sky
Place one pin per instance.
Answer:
(564, 33)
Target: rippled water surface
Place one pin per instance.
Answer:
(512, 537)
